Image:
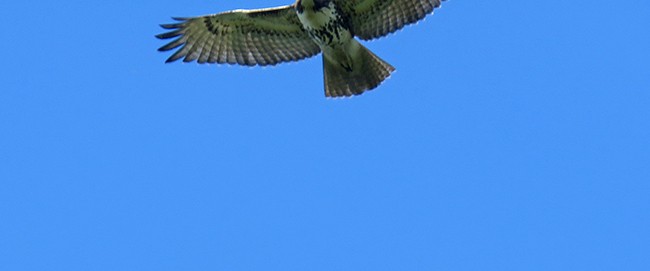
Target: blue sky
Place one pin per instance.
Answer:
(513, 136)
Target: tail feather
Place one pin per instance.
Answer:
(366, 73)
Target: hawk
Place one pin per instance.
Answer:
(290, 33)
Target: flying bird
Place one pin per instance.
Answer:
(290, 33)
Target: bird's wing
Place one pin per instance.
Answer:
(376, 18)
(246, 37)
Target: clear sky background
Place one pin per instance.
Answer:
(515, 135)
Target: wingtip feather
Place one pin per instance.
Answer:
(171, 34)
(171, 59)
(172, 26)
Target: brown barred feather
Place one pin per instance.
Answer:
(246, 37)
(372, 19)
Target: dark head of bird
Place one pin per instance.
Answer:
(314, 5)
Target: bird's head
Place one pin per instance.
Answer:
(314, 5)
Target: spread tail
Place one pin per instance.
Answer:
(354, 71)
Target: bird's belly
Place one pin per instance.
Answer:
(325, 26)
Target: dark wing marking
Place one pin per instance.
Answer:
(246, 37)
(376, 18)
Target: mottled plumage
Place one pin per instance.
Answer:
(294, 32)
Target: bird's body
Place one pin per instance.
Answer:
(327, 24)
(289, 33)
